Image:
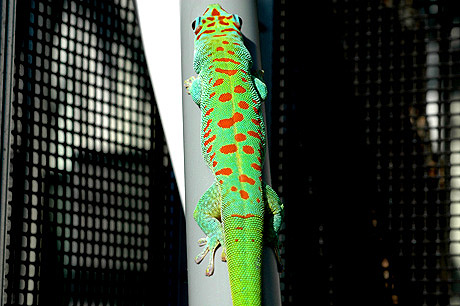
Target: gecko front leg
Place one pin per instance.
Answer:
(193, 87)
(260, 85)
(207, 214)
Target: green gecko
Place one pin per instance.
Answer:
(239, 211)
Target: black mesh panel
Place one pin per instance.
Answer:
(95, 217)
(366, 151)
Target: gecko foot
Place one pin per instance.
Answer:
(188, 84)
(211, 243)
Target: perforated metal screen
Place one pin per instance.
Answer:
(366, 151)
(95, 217)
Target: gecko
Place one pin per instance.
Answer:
(239, 211)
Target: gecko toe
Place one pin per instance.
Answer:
(210, 269)
(199, 258)
(224, 255)
(202, 242)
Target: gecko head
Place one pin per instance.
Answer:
(216, 22)
(214, 28)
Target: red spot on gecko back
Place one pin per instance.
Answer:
(207, 125)
(224, 171)
(239, 89)
(248, 149)
(220, 49)
(218, 82)
(253, 134)
(228, 72)
(244, 195)
(207, 133)
(243, 217)
(226, 60)
(240, 137)
(212, 95)
(227, 123)
(227, 149)
(215, 12)
(225, 97)
(234, 188)
(243, 105)
(210, 140)
(209, 111)
(246, 179)
(256, 166)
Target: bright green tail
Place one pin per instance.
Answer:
(243, 240)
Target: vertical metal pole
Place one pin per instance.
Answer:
(8, 16)
(214, 290)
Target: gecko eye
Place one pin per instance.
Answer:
(195, 22)
(238, 19)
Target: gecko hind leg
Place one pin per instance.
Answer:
(207, 214)
(274, 219)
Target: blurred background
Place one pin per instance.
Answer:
(364, 139)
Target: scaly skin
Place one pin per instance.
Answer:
(233, 210)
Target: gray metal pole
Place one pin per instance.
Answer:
(214, 290)
(8, 16)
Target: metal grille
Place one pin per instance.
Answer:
(366, 151)
(95, 217)
(408, 91)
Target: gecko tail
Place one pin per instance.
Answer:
(244, 242)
